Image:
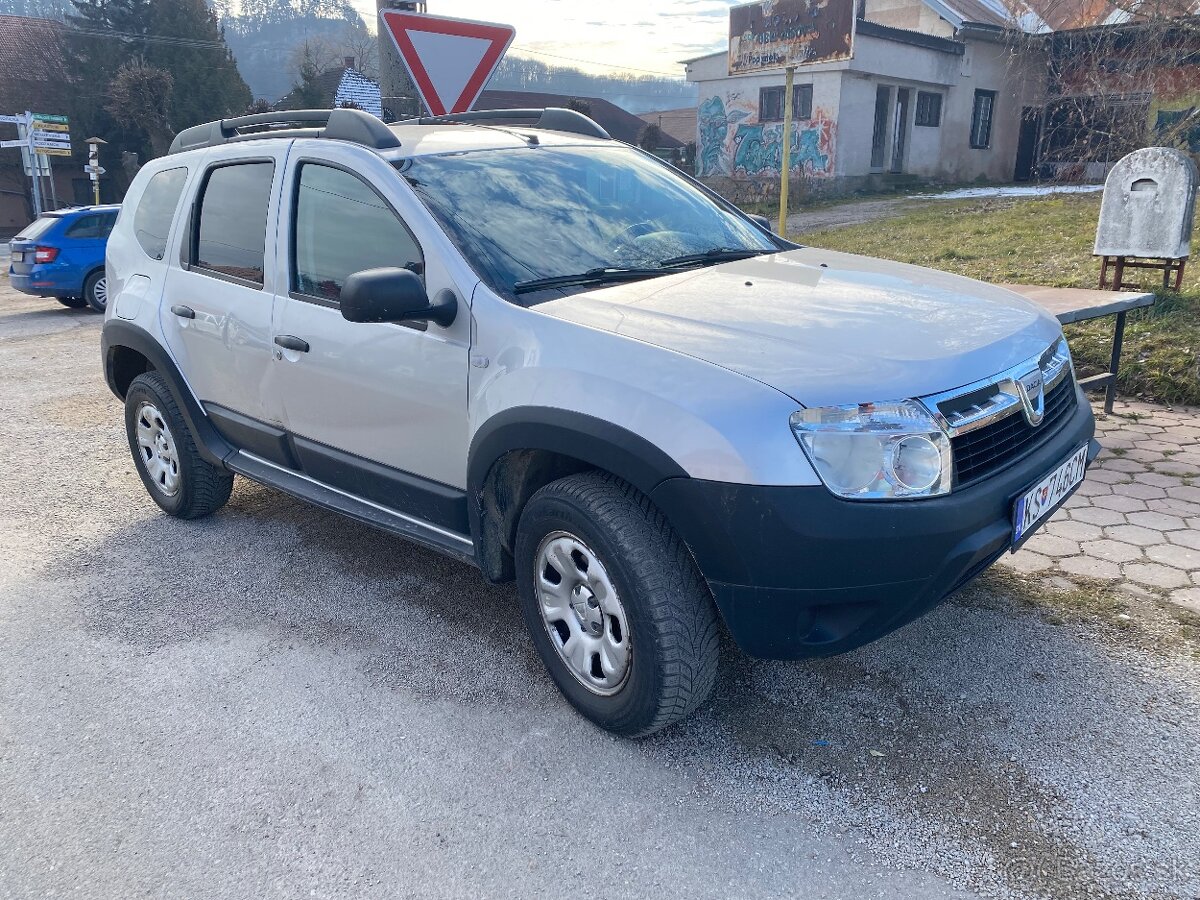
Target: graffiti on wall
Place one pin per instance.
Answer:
(733, 143)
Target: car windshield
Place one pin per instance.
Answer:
(524, 216)
(36, 228)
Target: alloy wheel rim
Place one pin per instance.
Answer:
(582, 613)
(100, 292)
(157, 447)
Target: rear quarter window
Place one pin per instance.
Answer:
(37, 228)
(156, 210)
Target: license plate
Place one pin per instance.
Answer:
(1036, 504)
(18, 256)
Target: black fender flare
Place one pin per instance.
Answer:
(118, 334)
(593, 442)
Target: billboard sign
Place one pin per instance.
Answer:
(772, 34)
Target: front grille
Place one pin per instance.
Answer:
(979, 453)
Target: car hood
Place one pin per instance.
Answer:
(823, 327)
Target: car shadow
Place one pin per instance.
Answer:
(981, 735)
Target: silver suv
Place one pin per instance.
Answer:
(540, 351)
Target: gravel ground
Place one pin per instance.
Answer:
(279, 702)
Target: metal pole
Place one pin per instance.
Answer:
(33, 165)
(53, 188)
(785, 168)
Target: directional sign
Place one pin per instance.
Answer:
(45, 117)
(50, 126)
(95, 170)
(13, 120)
(52, 137)
(46, 151)
(7, 144)
(450, 60)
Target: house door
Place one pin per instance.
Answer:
(883, 97)
(1027, 143)
(900, 130)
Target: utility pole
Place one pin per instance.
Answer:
(400, 96)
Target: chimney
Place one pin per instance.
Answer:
(349, 62)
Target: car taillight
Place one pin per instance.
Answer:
(45, 254)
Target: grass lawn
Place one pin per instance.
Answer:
(1046, 240)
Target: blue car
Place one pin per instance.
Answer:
(61, 255)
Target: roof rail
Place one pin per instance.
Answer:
(550, 119)
(352, 125)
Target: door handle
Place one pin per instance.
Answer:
(291, 342)
(184, 312)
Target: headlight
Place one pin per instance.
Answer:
(876, 451)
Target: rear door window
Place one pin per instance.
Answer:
(156, 209)
(85, 227)
(231, 235)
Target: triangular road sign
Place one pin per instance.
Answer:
(450, 60)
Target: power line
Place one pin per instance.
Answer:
(592, 62)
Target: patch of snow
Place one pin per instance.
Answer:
(1038, 190)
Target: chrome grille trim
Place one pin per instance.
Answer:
(1004, 399)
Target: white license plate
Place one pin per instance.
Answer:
(1039, 502)
(18, 256)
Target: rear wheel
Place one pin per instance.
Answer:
(175, 474)
(618, 611)
(72, 302)
(95, 291)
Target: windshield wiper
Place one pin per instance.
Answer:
(602, 275)
(715, 255)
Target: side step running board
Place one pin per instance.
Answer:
(417, 530)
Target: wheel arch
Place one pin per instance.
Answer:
(520, 450)
(127, 351)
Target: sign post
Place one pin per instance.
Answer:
(450, 60)
(785, 167)
(93, 168)
(39, 137)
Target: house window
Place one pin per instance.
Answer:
(929, 109)
(981, 119)
(770, 103)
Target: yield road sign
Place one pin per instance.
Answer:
(450, 60)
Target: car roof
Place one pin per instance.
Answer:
(80, 210)
(430, 140)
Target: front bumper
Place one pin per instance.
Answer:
(798, 572)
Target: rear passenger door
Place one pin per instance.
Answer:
(379, 410)
(217, 304)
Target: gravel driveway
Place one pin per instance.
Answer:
(276, 702)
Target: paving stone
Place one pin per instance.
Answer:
(1092, 488)
(1158, 479)
(1177, 507)
(1074, 531)
(1148, 458)
(1161, 444)
(1157, 520)
(1052, 545)
(1120, 504)
(1125, 466)
(1188, 598)
(1135, 534)
(1026, 561)
(1139, 490)
(1178, 467)
(1187, 492)
(1098, 515)
(1090, 567)
(1102, 475)
(1175, 556)
(1155, 575)
(1113, 551)
(1186, 538)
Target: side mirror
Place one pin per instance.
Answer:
(393, 295)
(763, 222)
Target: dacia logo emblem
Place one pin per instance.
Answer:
(1031, 387)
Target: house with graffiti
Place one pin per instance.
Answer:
(894, 91)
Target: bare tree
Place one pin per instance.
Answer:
(139, 97)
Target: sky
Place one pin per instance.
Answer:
(650, 36)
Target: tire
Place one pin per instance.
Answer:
(628, 552)
(176, 476)
(95, 291)
(72, 302)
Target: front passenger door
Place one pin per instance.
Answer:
(379, 410)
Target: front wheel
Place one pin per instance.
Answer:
(618, 611)
(95, 291)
